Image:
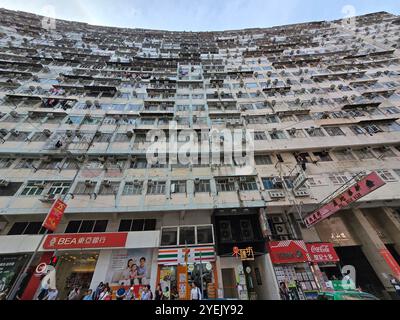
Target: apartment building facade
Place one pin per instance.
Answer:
(77, 104)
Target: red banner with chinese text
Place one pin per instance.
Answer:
(85, 241)
(360, 189)
(392, 263)
(55, 215)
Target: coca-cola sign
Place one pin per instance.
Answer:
(322, 252)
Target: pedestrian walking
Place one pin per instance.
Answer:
(195, 293)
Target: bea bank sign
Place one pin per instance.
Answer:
(85, 241)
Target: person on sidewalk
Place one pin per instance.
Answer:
(195, 293)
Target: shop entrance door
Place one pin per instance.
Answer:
(366, 277)
(75, 270)
(229, 283)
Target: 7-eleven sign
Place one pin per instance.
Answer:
(186, 256)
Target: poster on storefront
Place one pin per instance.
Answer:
(130, 267)
(10, 266)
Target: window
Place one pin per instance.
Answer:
(364, 154)
(122, 137)
(34, 188)
(51, 164)
(315, 132)
(29, 228)
(384, 152)
(334, 131)
(10, 189)
(296, 133)
(83, 188)
(202, 186)
(275, 135)
(18, 136)
(25, 164)
(372, 129)
(247, 184)
(386, 175)
(39, 137)
(137, 225)
(109, 188)
(225, 231)
(225, 185)
(259, 135)
(392, 110)
(133, 188)
(169, 236)
(338, 178)
(139, 164)
(263, 160)
(59, 188)
(178, 186)
(187, 236)
(103, 137)
(86, 226)
(357, 130)
(6, 163)
(344, 155)
(204, 234)
(271, 183)
(323, 156)
(156, 187)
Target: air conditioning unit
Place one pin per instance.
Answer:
(101, 159)
(150, 183)
(48, 198)
(68, 133)
(243, 179)
(129, 133)
(136, 183)
(4, 183)
(231, 180)
(281, 229)
(277, 219)
(14, 114)
(107, 183)
(50, 115)
(276, 194)
(47, 132)
(301, 193)
(197, 181)
(81, 158)
(89, 183)
(277, 182)
(15, 132)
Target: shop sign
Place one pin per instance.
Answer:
(289, 251)
(357, 191)
(85, 241)
(244, 254)
(392, 263)
(322, 252)
(181, 256)
(55, 215)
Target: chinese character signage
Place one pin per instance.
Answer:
(322, 252)
(289, 251)
(54, 216)
(244, 254)
(85, 241)
(362, 188)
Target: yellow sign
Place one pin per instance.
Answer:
(244, 254)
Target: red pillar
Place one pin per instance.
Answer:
(34, 282)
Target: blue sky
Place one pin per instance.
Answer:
(204, 15)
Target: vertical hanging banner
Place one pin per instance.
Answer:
(392, 263)
(55, 215)
(360, 189)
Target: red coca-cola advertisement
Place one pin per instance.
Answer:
(322, 252)
(288, 251)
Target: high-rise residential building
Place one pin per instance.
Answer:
(315, 105)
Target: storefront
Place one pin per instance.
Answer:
(293, 269)
(10, 267)
(325, 264)
(178, 267)
(85, 260)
